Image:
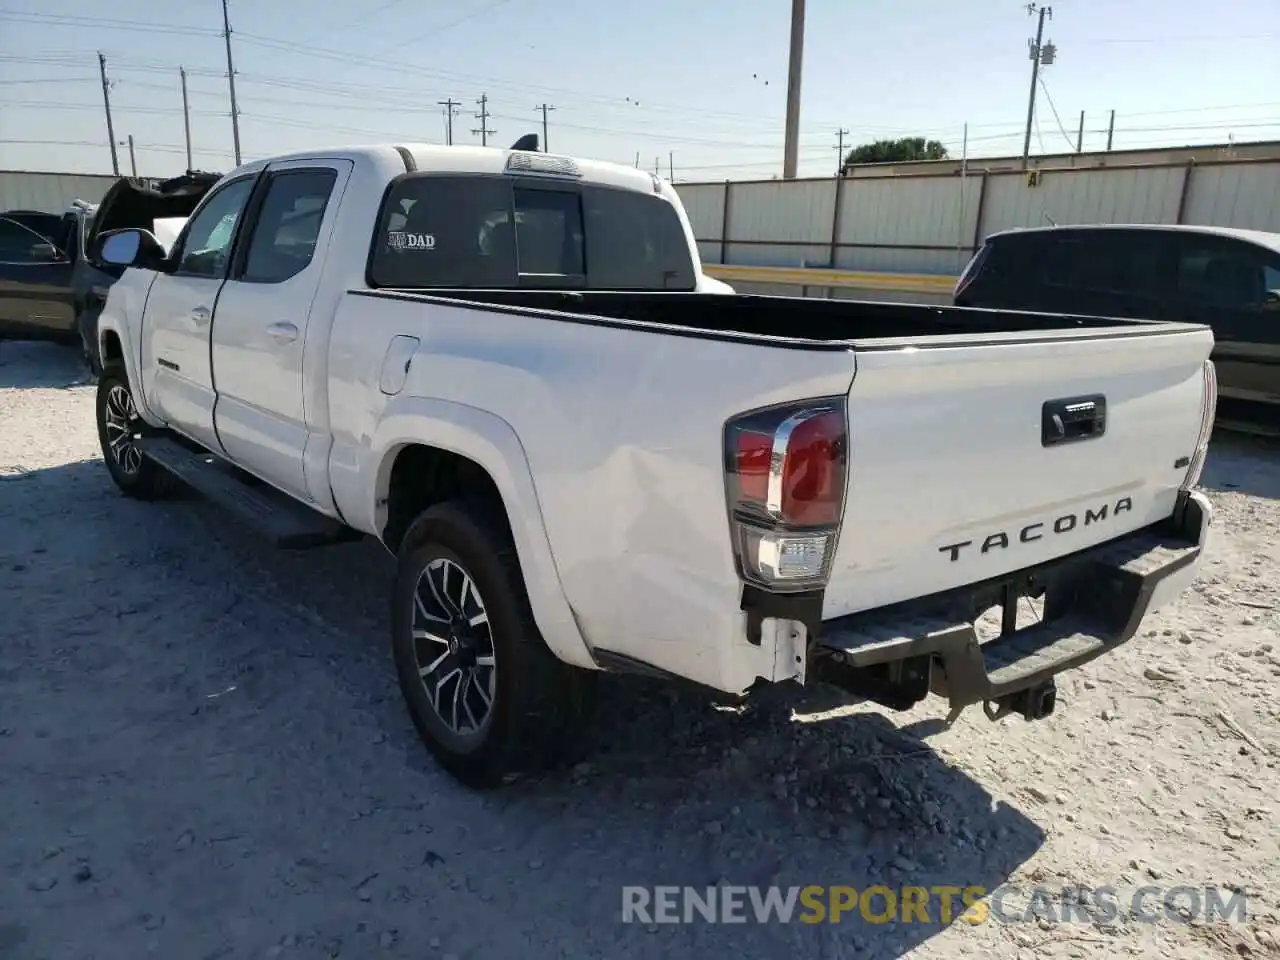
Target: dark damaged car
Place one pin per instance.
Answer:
(50, 289)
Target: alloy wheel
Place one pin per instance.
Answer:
(121, 420)
(453, 648)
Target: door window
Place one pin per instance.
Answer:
(1222, 274)
(1126, 262)
(206, 249)
(446, 232)
(635, 241)
(16, 242)
(284, 236)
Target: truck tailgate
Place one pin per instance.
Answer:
(950, 478)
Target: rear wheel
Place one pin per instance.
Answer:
(484, 692)
(119, 428)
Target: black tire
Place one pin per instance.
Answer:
(541, 707)
(136, 477)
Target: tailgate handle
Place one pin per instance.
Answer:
(1072, 419)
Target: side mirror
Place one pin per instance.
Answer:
(129, 247)
(45, 252)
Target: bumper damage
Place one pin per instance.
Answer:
(1094, 601)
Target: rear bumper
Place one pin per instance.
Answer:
(1094, 601)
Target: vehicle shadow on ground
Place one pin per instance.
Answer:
(792, 790)
(680, 789)
(1243, 464)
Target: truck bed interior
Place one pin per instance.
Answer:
(801, 318)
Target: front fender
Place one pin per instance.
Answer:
(492, 443)
(125, 301)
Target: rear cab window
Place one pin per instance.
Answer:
(495, 232)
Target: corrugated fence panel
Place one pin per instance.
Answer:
(776, 254)
(704, 202)
(796, 211)
(49, 192)
(1246, 196)
(1114, 195)
(926, 211)
(709, 252)
(903, 260)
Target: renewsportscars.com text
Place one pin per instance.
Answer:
(939, 904)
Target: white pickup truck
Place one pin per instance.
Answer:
(509, 368)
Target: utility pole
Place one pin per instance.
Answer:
(1038, 55)
(840, 135)
(106, 101)
(791, 149)
(544, 108)
(1111, 129)
(483, 117)
(231, 81)
(133, 160)
(637, 159)
(186, 116)
(671, 165)
(450, 111)
(1080, 135)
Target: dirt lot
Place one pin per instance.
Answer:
(203, 755)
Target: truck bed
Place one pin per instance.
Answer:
(804, 321)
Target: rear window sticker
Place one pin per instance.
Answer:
(399, 240)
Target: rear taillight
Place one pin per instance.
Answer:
(786, 469)
(1208, 411)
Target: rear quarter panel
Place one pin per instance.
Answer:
(621, 431)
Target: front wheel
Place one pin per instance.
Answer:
(484, 692)
(119, 427)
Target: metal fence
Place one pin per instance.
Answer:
(923, 229)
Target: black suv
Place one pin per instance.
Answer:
(1226, 278)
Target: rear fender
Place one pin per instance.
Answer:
(492, 443)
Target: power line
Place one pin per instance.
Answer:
(102, 23)
(1054, 110)
(400, 45)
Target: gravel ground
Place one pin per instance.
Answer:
(204, 755)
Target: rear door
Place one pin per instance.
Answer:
(1234, 287)
(951, 480)
(260, 329)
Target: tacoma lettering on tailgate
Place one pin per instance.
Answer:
(1037, 531)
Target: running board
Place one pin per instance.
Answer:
(284, 522)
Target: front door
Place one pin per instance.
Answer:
(178, 375)
(260, 330)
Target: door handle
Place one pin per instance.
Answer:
(283, 332)
(1072, 419)
(201, 314)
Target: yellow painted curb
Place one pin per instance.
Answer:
(820, 277)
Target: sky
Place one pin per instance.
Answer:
(696, 88)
